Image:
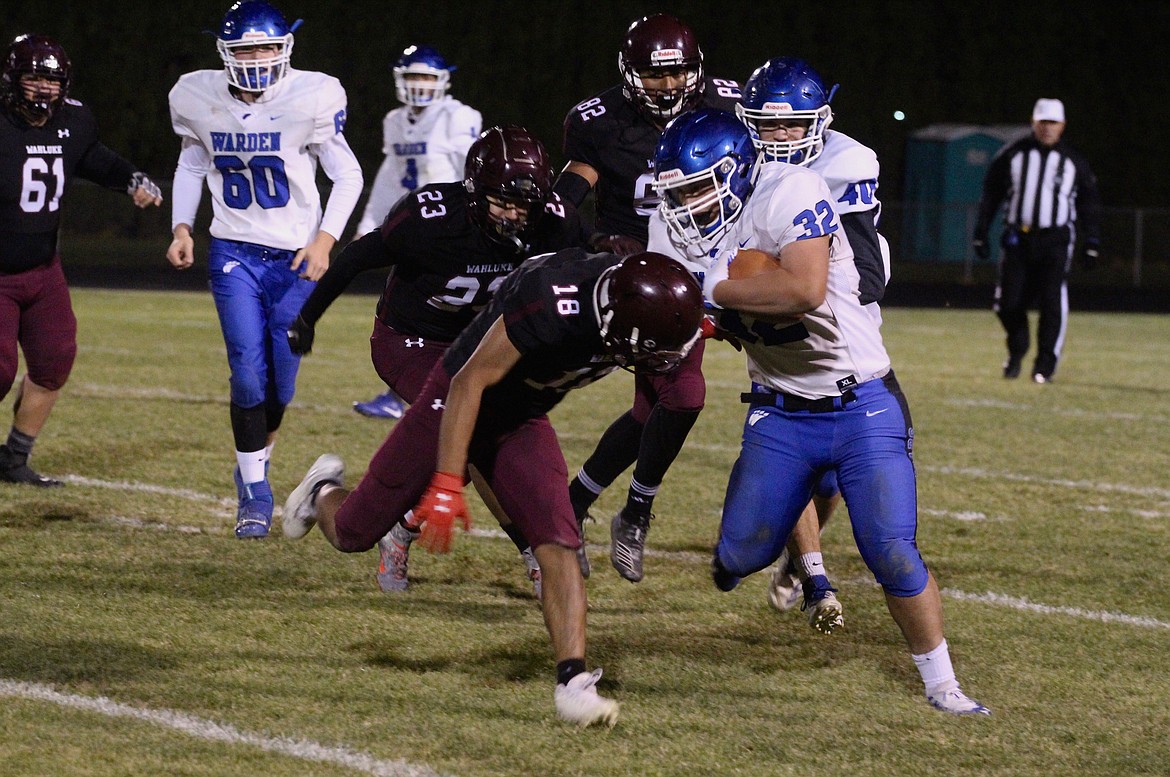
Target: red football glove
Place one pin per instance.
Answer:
(439, 507)
(709, 330)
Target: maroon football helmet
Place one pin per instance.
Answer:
(39, 55)
(508, 164)
(661, 43)
(650, 308)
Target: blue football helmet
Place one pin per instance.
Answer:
(251, 23)
(787, 89)
(425, 61)
(704, 170)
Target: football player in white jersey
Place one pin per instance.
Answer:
(823, 395)
(425, 141)
(785, 106)
(256, 130)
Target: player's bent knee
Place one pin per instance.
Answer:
(901, 571)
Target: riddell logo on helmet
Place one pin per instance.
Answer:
(770, 106)
(666, 57)
(667, 176)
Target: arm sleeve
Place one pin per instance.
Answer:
(995, 188)
(1088, 203)
(103, 166)
(366, 253)
(187, 189)
(572, 188)
(447, 151)
(867, 254)
(340, 164)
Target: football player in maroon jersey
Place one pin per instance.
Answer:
(559, 322)
(448, 247)
(46, 139)
(609, 141)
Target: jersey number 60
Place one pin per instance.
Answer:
(268, 179)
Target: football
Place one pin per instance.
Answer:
(750, 262)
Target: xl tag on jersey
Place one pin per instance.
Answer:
(846, 383)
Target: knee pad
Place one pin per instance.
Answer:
(900, 570)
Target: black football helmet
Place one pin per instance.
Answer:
(510, 165)
(38, 55)
(649, 308)
(661, 42)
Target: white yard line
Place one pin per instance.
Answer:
(211, 731)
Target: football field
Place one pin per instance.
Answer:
(137, 636)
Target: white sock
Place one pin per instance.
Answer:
(810, 564)
(935, 668)
(251, 465)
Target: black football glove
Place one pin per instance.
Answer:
(982, 250)
(1090, 253)
(300, 336)
(615, 244)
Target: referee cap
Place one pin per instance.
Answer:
(1048, 109)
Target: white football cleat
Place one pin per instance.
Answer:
(578, 702)
(300, 509)
(532, 568)
(956, 702)
(784, 589)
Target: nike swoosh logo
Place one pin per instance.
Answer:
(745, 242)
(872, 413)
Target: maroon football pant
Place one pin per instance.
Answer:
(403, 361)
(37, 313)
(520, 459)
(683, 388)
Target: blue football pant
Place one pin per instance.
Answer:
(785, 455)
(257, 297)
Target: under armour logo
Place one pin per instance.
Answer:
(63, 133)
(437, 404)
(756, 416)
(411, 343)
(227, 268)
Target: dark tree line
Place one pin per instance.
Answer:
(530, 62)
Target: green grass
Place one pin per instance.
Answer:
(1057, 495)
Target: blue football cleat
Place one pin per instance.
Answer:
(386, 405)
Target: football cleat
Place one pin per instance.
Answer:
(627, 544)
(386, 405)
(300, 509)
(254, 514)
(956, 702)
(577, 701)
(784, 589)
(23, 474)
(820, 602)
(394, 554)
(532, 566)
(582, 554)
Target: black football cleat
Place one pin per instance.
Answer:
(24, 475)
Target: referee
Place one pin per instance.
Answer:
(1049, 192)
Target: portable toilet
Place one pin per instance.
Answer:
(945, 166)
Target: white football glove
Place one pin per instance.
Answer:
(142, 181)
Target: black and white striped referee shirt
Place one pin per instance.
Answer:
(1045, 187)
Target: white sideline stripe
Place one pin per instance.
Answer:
(1018, 603)
(1117, 488)
(211, 731)
(701, 558)
(1071, 412)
